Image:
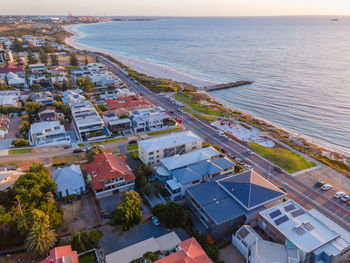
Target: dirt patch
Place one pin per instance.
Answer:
(231, 254)
(14, 127)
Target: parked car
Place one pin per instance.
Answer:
(318, 184)
(132, 142)
(326, 187)
(155, 221)
(339, 194)
(77, 150)
(345, 198)
(231, 155)
(250, 152)
(221, 133)
(278, 169)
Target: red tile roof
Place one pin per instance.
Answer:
(191, 252)
(11, 68)
(126, 102)
(106, 166)
(61, 254)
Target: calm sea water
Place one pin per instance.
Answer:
(300, 65)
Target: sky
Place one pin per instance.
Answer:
(176, 7)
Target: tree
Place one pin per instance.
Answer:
(43, 56)
(40, 240)
(82, 240)
(35, 87)
(74, 60)
(49, 48)
(19, 60)
(86, 60)
(238, 169)
(32, 107)
(80, 82)
(31, 58)
(17, 45)
(126, 215)
(172, 215)
(90, 154)
(88, 85)
(57, 85)
(20, 142)
(132, 198)
(158, 187)
(54, 59)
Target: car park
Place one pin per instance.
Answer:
(318, 184)
(339, 195)
(345, 198)
(155, 221)
(326, 187)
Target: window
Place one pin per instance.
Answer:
(151, 153)
(151, 158)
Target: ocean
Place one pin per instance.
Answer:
(300, 65)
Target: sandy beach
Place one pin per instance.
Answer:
(148, 68)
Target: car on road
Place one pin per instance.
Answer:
(345, 198)
(221, 133)
(250, 152)
(132, 142)
(77, 151)
(247, 166)
(318, 184)
(192, 118)
(339, 195)
(155, 221)
(278, 169)
(283, 189)
(326, 187)
(231, 155)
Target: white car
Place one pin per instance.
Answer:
(339, 194)
(326, 187)
(221, 133)
(345, 198)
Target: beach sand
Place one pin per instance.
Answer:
(148, 68)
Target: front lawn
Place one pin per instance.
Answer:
(109, 141)
(205, 118)
(20, 151)
(286, 159)
(132, 147)
(165, 131)
(88, 258)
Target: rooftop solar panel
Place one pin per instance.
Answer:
(281, 220)
(289, 208)
(298, 212)
(299, 230)
(308, 226)
(275, 213)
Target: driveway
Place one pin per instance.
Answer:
(114, 239)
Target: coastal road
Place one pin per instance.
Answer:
(296, 190)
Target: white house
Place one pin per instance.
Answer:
(48, 132)
(15, 80)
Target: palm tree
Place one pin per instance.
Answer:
(78, 240)
(40, 240)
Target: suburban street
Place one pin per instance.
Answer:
(296, 190)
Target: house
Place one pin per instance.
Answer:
(108, 173)
(257, 250)
(128, 103)
(318, 238)
(153, 150)
(4, 125)
(48, 132)
(164, 244)
(16, 69)
(50, 113)
(223, 205)
(117, 93)
(37, 67)
(42, 80)
(42, 98)
(72, 96)
(69, 181)
(8, 176)
(9, 98)
(116, 125)
(197, 173)
(150, 119)
(176, 162)
(15, 80)
(87, 122)
(61, 255)
(187, 251)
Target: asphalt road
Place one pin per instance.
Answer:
(296, 190)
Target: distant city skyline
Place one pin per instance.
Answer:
(176, 8)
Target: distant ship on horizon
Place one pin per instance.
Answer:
(334, 19)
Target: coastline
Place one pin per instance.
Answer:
(160, 71)
(145, 67)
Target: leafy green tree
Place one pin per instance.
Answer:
(40, 240)
(90, 154)
(158, 187)
(57, 85)
(74, 60)
(35, 87)
(49, 48)
(31, 58)
(23, 128)
(17, 45)
(80, 82)
(132, 198)
(32, 107)
(43, 56)
(20, 142)
(172, 215)
(54, 59)
(89, 86)
(126, 215)
(82, 240)
(238, 169)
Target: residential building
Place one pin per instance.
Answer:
(69, 181)
(128, 103)
(108, 174)
(87, 122)
(48, 132)
(16, 69)
(116, 125)
(197, 173)
(257, 250)
(42, 80)
(50, 113)
(164, 244)
(223, 205)
(62, 255)
(4, 125)
(42, 98)
(318, 238)
(37, 67)
(150, 119)
(117, 93)
(15, 80)
(187, 251)
(72, 96)
(8, 176)
(9, 98)
(153, 150)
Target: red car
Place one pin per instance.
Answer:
(178, 120)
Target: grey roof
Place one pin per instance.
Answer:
(70, 178)
(251, 189)
(169, 141)
(250, 192)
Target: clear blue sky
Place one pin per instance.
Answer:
(177, 7)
